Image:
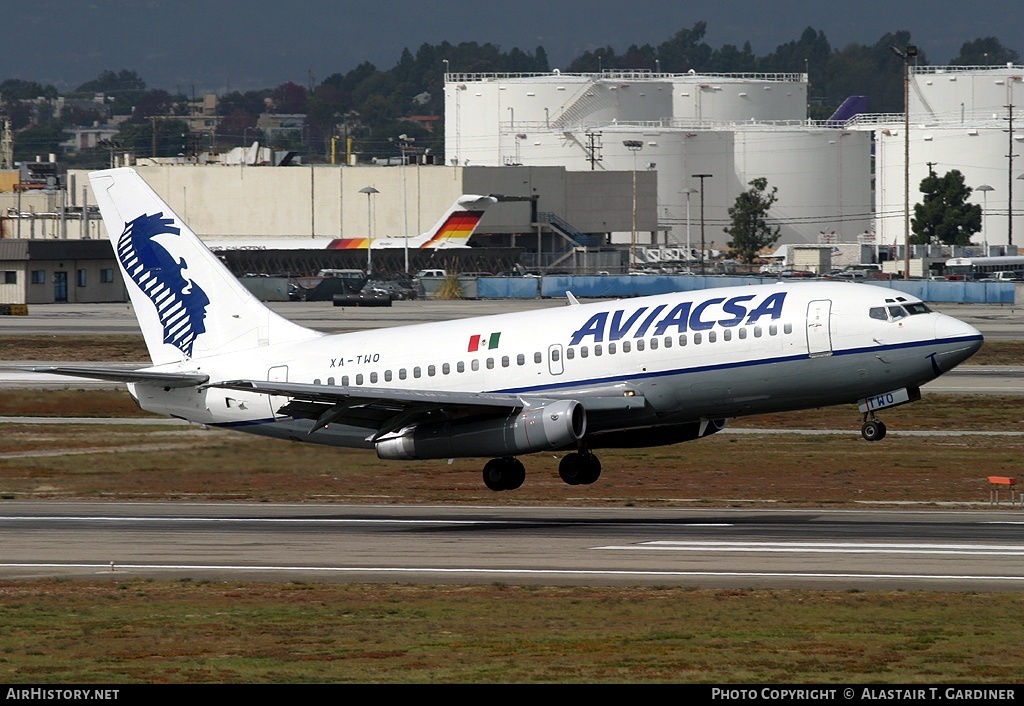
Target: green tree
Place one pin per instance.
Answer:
(686, 50)
(750, 229)
(875, 71)
(944, 216)
(238, 128)
(810, 53)
(730, 59)
(169, 137)
(15, 89)
(40, 140)
(288, 98)
(988, 51)
(113, 82)
(150, 103)
(254, 102)
(124, 87)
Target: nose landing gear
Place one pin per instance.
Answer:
(873, 429)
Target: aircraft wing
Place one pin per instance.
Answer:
(120, 375)
(383, 409)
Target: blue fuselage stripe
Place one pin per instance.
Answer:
(635, 376)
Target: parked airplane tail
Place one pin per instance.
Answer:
(452, 230)
(187, 302)
(458, 223)
(850, 108)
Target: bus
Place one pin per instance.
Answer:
(1009, 267)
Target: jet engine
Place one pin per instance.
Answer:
(551, 426)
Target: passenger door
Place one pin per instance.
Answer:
(819, 328)
(278, 373)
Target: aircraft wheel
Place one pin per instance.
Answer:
(516, 474)
(591, 468)
(504, 474)
(493, 475)
(571, 469)
(873, 430)
(579, 468)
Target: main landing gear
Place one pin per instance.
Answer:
(581, 468)
(508, 472)
(873, 429)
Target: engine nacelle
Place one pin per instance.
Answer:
(551, 426)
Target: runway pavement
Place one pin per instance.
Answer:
(836, 549)
(942, 549)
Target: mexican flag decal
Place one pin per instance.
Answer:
(480, 343)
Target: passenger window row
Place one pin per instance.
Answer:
(597, 350)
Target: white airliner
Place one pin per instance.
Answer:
(628, 373)
(452, 230)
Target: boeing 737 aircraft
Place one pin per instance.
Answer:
(628, 373)
(452, 230)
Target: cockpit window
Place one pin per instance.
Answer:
(897, 312)
(894, 312)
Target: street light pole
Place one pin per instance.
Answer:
(984, 189)
(688, 190)
(369, 191)
(702, 177)
(633, 146)
(911, 51)
(403, 146)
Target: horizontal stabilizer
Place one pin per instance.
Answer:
(120, 375)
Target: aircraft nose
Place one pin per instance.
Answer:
(951, 330)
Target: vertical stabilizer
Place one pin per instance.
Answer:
(188, 304)
(453, 229)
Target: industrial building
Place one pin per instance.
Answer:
(730, 128)
(547, 210)
(840, 180)
(967, 118)
(58, 271)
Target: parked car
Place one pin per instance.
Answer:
(431, 274)
(393, 289)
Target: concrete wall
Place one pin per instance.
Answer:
(309, 202)
(324, 202)
(14, 292)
